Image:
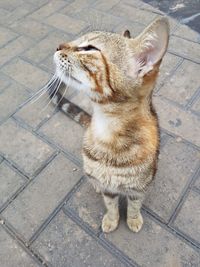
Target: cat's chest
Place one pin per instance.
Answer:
(102, 126)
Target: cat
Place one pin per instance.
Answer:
(121, 142)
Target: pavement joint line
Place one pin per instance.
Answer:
(183, 196)
(183, 56)
(185, 141)
(110, 248)
(172, 72)
(10, 41)
(171, 230)
(193, 99)
(11, 231)
(196, 190)
(184, 38)
(14, 196)
(42, 227)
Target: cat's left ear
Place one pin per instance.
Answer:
(149, 48)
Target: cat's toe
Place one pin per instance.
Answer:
(108, 224)
(135, 224)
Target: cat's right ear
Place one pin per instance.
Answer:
(149, 48)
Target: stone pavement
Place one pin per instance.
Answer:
(49, 214)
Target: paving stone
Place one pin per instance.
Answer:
(178, 121)
(177, 164)
(83, 102)
(97, 20)
(46, 47)
(63, 243)
(23, 148)
(65, 133)
(185, 32)
(168, 65)
(196, 106)
(154, 246)
(47, 10)
(88, 205)
(187, 49)
(4, 81)
(36, 111)
(188, 219)
(10, 182)
(65, 23)
(133, 13)
(31, 28)
(14, 48)
(33, 206)
(12, 254)
(105, 5)
(38, 3)
(10, 5)
(197, 183)
(11, 98)
(6, 35)
(26, 74)
(17, 14)
(183, 83)
(76, 6)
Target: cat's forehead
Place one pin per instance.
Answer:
(97, 37)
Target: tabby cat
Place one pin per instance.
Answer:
(121, 143)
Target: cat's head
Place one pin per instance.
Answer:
(110, 66)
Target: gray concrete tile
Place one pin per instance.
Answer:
(66, 23)
(177, 164)
(177, 120)
(26, 74)
(6, 35)
(65, 133)
(33, 206)
(153, 246)
(23, 148)
(88, 205)
(14, 48)
(183, 84)
(188, 219)
(10, 182)
(12, 254)
(63, 243)
(11, 98)
(31, 28)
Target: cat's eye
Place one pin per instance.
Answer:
(87, 48)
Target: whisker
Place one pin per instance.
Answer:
(67, 87)
(44, 89)
(54, 92)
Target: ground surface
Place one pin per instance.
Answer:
(49, 215)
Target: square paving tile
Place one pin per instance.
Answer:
(30, 209)
(6, 35)
(23, 148)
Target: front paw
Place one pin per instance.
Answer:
(108, 224)
(135, 224)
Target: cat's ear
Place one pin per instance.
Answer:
(127, 34)
(149, 47)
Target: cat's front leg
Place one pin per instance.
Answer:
(134, 216)
(111, 218)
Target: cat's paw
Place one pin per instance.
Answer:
(135, 224)
(108, 224)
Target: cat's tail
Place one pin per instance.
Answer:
(69, 108)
